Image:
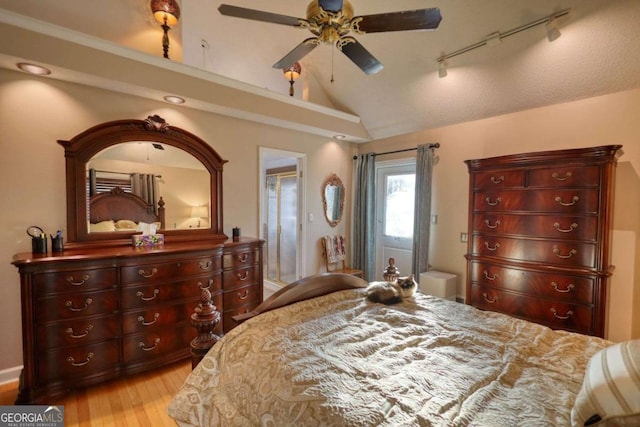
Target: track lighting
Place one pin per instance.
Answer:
(495, 38)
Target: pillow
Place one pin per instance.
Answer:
(102, 226)
(610, 393)
(126, 224)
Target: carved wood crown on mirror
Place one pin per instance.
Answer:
(84, 146)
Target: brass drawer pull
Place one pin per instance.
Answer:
(146, 275)
(556, 288)
(486, 276)
(243, 295)
(492, 249)
(145, 323)
(557, 177)
(495, 225)
(72, 361)
(497, 180)
(140, 295)
(572, 227)
(571, 253)
(72, 334)
(490, 203)
(144, 347)
(245, 276)
(557, 316)
(87, 303)
(72, 281)
(490, 301)
(205, 265)
(208, 286)
(243, 257)
(573, 201)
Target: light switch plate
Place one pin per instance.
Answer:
(464, 237)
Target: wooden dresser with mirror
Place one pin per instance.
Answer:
(104, 308)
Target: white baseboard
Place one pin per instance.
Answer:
(10, 375)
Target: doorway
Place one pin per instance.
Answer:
(281, 207)
(395, 200)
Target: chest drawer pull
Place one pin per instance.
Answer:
(571, 253)
(208, 286)
(72, 334)
(557, 176)
(244, 276)
(495, 225)
(146, 275)
(556, 288)
(243, 295)
(490, 301)
(87, 303)
(557, 316)
(486, 276)
(243, 257)
(490, 203)
(497, 180)
(565, 230)
(72, 281)
(492, 249)
(145, 323)
(573, 201)
(140, 295)
(144, 347)
(72, 361)
(205, 265)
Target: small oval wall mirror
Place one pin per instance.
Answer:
(333, 199)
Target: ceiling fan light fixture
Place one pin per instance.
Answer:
(166, 13)
(292, 74)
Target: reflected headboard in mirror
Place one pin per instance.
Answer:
(88, 148)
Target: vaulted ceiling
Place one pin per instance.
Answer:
(597, 53)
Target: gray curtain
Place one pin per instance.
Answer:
(422, 215)
(145, 186)
(364, 216)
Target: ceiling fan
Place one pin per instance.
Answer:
(331, 21)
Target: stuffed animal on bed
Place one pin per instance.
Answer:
(392, 292)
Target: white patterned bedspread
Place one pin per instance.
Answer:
(339, 360)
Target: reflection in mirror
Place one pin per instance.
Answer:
(333, 199)
(151, 171)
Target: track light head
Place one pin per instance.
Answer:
(553, 33)
(442, 68)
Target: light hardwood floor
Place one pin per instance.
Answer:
(138, 400)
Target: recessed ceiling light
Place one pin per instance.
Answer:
(172, 99)
(33, 69)
(339, 137)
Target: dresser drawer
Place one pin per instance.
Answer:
(560, 176)
(229, 323)
(240, 296)
(561, 287)
(78, 362)
(152, 294)
(160, 342)
(239, 259)
(77, 305)
(241, 277)
(74, 281)
(499, 179)
(560, 201)
(555, 314)
(161, 316)
(563, 253)
(550, 226)
(77, 332)
(169, 270)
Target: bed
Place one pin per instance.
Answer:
(307, 359)
(117, 210)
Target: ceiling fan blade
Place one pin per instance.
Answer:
(297, 53)
(258, 15)
(420, 19)
(330, 5)
(359, 55)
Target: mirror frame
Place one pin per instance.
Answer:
(334, 180)
(81, 148)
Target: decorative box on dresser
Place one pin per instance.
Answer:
(92, 314)
(539, 227)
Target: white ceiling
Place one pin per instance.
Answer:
(599, 52)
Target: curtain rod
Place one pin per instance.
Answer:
(434, 145)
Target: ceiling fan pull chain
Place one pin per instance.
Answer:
(332, 55)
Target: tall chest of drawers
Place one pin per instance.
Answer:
(89, 315)
(539, 236)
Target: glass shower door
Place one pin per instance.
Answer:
(282, 230)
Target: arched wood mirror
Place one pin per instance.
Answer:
(333, 199)
(178, 174)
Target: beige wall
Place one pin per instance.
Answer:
(36, 112)
(609, 119)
